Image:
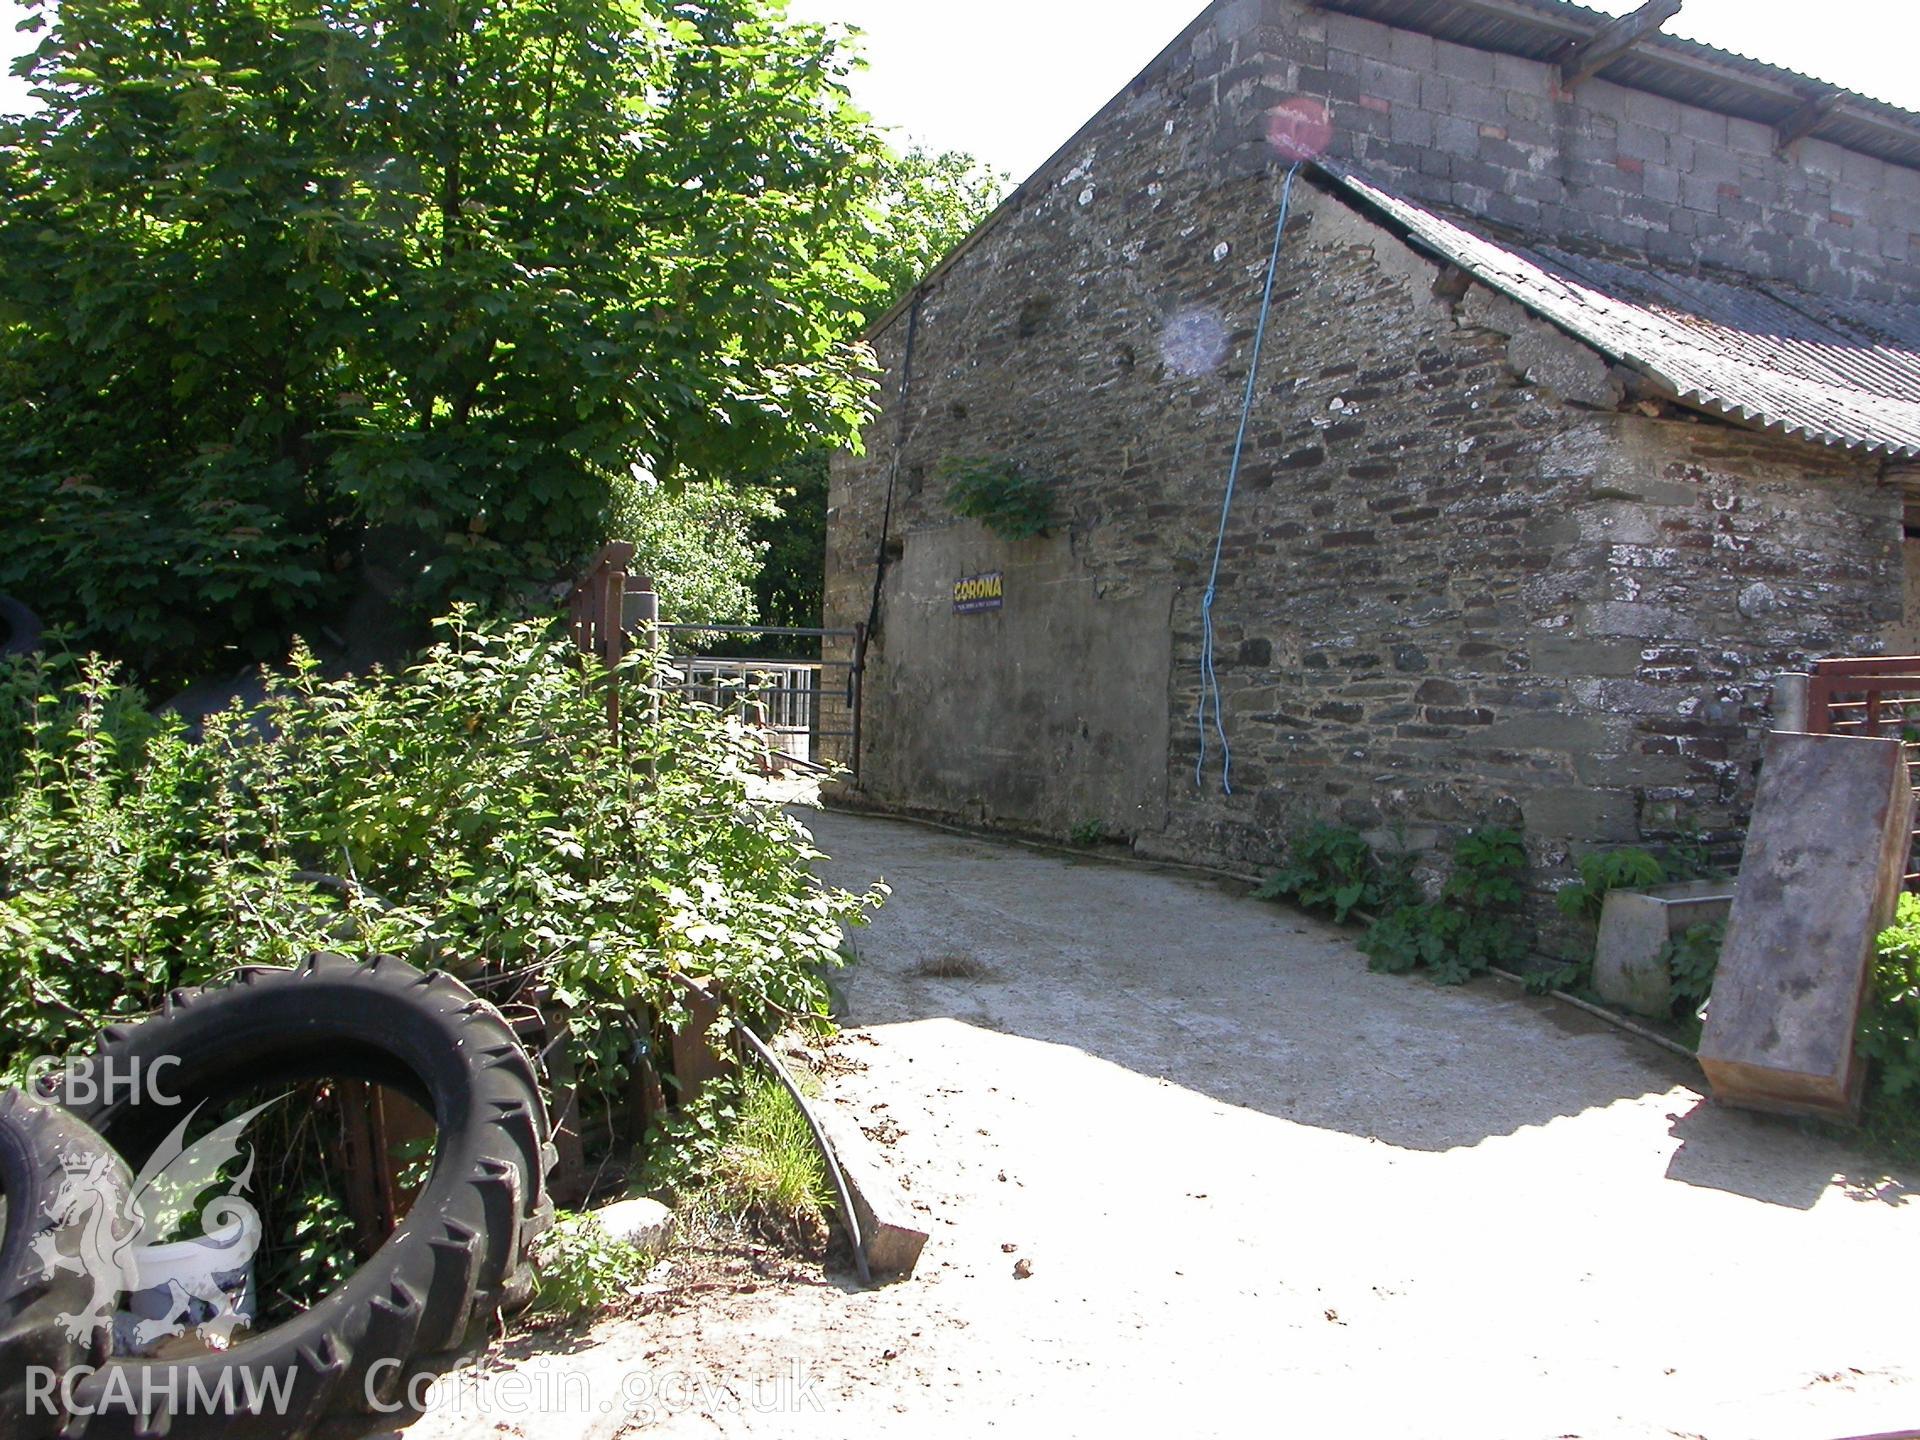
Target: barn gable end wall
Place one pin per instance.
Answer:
(1494, 135)
(1459, 583)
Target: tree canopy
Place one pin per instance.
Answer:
(291, 289)
(927, 203)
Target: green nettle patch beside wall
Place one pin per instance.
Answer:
(1476, 923)
(1473, 923)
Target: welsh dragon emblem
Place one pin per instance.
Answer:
(108, 1234)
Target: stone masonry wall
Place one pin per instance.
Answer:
(1459, 584)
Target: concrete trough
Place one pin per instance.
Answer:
(1629, 961)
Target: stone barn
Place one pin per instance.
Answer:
(1589, 403)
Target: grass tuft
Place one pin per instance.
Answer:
(769, 1167)
(951, 967)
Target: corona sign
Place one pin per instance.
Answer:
(979, 592)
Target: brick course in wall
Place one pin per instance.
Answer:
(1461, 582)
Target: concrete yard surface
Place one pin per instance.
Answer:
(1263, 1191)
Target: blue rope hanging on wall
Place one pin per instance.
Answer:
(1209, 677)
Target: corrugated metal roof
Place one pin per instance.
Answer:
(1757, 352)
(1680, 69)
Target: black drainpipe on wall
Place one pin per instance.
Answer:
(893, 471)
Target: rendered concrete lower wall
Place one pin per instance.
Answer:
(1045, 714)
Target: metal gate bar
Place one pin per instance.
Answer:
(607, 603)
(796, 707)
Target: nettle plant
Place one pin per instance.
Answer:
(1328, 868)
(1476, 923)
(1601, 871)
(485, 818)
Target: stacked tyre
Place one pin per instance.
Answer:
(455, 1260)
(45, 1310)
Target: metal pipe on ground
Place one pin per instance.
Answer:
(772, 1062)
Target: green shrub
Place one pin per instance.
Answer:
(1000, 495)
(479, 793)
(1890, 1021)
(1474, 925)
(39, 694)
(582, 1269)
(1603, 870)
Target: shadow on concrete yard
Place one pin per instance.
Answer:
(1180, 977)
(1769, 1158)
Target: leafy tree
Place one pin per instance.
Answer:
(290, 289)
(697, 545)
(931, 202)
(791, 586)
(927, 203)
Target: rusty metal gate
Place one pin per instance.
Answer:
(809, 710)
(1875, 696)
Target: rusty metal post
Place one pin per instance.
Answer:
(368, 1167)
(695, 1062)
(594, 611)
(1819, 716)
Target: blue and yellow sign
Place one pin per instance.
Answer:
(979, 592)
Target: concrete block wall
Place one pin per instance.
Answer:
(1493, 135)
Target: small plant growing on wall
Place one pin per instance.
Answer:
(1627, 868)
(999, 494)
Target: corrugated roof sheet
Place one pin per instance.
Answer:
(1757, 352)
